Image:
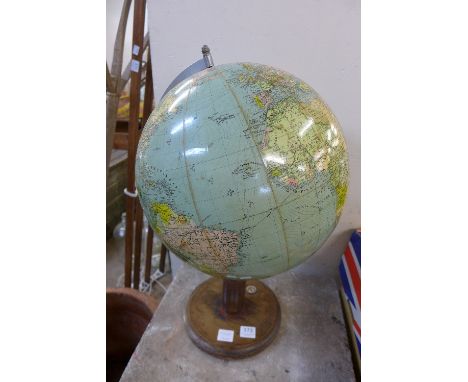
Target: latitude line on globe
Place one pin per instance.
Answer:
(261, 160)
(282, 204)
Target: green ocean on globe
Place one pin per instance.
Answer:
(242, 171)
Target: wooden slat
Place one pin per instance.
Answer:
(135, 78)
(138, 237)
(149, 254)
(147, 108)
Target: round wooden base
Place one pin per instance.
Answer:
(205, 314)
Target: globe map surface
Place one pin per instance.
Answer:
(242, 170)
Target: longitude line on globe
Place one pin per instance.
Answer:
(261, 160)
(188, 174)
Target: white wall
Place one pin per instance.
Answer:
(316, 40)
(113, 11)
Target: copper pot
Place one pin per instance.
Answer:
(128, 313)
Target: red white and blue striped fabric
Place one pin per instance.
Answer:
(350, 273)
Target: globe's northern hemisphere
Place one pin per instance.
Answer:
(242, 171)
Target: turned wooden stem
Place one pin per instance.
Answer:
(233, 295)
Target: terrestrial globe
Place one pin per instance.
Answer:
(242, 171)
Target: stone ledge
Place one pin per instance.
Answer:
(312, 344)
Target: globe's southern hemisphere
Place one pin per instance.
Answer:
(242, 171)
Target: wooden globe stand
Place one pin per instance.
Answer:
(227, 305)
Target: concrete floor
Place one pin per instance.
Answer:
(115, 258)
